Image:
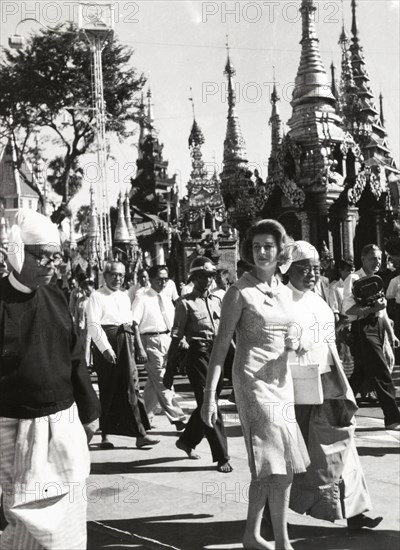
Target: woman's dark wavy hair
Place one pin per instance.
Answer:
(272, 227)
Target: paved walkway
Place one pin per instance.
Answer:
(158, 499)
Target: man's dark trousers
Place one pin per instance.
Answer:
(370, 364)
(197, 362)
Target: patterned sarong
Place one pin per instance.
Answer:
(44, 463)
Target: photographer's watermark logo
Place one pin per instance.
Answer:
(267, 11)
(53, 13)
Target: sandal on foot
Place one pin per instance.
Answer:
(146, 442)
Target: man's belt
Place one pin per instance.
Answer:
(201, 343)
(155, 333)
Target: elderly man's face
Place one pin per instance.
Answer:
(40, 264)
(115, 277)
(304, 274)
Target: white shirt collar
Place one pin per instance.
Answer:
(296, 291)
(19, 286)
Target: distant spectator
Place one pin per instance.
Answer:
(222, 281)
(142, 284)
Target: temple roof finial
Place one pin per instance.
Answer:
(274, 96)
(312, 80)
(128, 220)
(234, 144)
(354, 29)
(381, 116)
(121, 234)
(192, 100)
(333, 80)
(343, 35)
(150, 117)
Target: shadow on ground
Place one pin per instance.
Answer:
(147, 466)
(192, 532)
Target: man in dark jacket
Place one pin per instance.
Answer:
(46, 398)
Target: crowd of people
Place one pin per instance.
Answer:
(282, 311)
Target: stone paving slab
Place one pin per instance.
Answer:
(157, 496)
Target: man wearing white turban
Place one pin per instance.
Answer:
(334, 486)
(45, 397)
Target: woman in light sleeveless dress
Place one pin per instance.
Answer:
(259, 309)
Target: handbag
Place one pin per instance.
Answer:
(307, 384)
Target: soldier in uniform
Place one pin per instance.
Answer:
(197, 317)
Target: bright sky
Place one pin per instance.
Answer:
(181, 44)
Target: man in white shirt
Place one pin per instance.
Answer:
(142, 285)
(170, 291)
(335, 301)
(109, 318)
(153, 314)
(222, 283)
(368, 329)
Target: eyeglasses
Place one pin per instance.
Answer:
(308, 269)
(114, 274)
(162, 279)
(45, 261)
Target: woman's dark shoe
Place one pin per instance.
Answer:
(361, 520)
(105, 445)
(179, 425)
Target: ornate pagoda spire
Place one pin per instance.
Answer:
(234, 145)
(367, 112)
(149, 116)
(142, 125)
(314, 119)
(196, 137)
(121, 234)
(93, 232)
(204, 207)
(333, 81)
(367, 126)
(312, 83)
(128, 221)
(381, 116)
(275, 120)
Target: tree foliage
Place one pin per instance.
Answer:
(82, 220)
(48, 86)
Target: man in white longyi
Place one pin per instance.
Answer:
(45, 397)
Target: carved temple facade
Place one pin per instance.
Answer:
(204, 228)
(332, 178)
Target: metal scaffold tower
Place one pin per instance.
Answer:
(96, 25)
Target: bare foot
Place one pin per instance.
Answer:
(255, 543)
(189, 451)
(224, 467)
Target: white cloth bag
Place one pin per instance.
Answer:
(307, 383)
